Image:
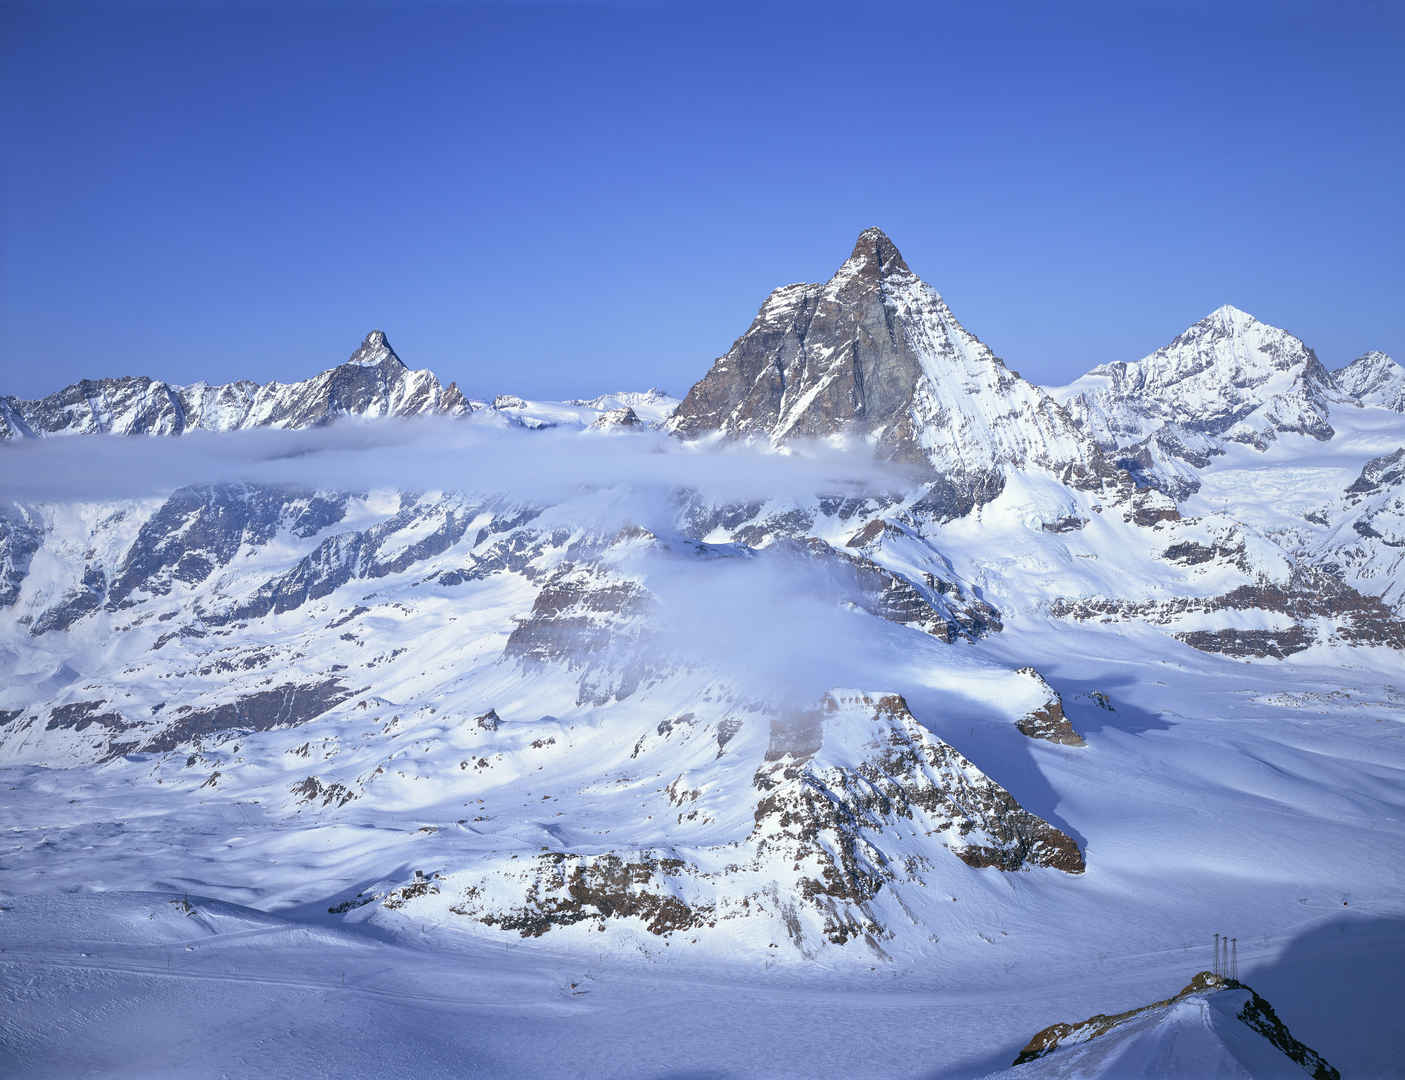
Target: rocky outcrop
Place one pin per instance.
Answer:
(281, 706)
(1047, 720)
(315, 791)
(1244, 1005)
(621, 419)
(80, 715)
(74, 604)
(21, 533)
(562, 889)
(941, 606)
(1258, 644)
(376, 552)
(854, 800)
(201, 528)
(1312, 607)
(863, 758)
(1378, 475)
(1363, 541)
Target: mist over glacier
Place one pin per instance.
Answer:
(473, 454)
(869, 681)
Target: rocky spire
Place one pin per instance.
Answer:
(874, 255)
(375, 350)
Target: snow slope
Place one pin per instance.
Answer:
(577, 748)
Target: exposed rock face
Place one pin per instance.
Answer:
(80, 715)
(374, 382)
(1227, 548)
(113, 732)
(875, 354)
(941, 607)
(371, 553)
(74, 604)
(1148, 507)
(622, 418)
(590, 620)
(1047, 719)
(1366, 544)
(201, 528)
(21, 533)
(853, 799)
(282, 706)
(1373, 379)
(313, 790)
(1244, 1005)
(1259, 644)
(1312, 607)
(563, 889)
(1377, 475)
(836, 780)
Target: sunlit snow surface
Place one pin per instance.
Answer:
(1220, 796)
(152, 925)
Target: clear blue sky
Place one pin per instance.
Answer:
(561, 200)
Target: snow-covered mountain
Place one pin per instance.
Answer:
(1228, 375)
(1362, 534)
(876, 356)
(1227, 379)
(1373, 378)
(867, 655)
(1213, 1027)
(625, 409)
(374, 382)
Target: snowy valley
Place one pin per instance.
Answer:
(863, 712)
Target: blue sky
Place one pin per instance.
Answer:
(559, 200)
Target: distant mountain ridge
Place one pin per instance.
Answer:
(813, 715)
(1227, 374)
(373, 382)
(1373, 378)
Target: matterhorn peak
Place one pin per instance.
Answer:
(875, 255)
(875, 354)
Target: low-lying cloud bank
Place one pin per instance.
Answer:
(432, 454)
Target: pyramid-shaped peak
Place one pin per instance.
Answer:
(1228, 320)
(1229, 313)
(874, 252)
(375, 349)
